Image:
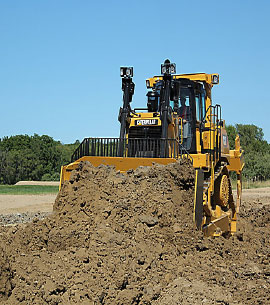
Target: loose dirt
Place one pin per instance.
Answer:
(130, 239)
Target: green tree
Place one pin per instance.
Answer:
(24, 157)
(256, 149)
(232, 132)
(28, 158)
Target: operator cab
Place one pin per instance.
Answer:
(187, 103)
(175, 111)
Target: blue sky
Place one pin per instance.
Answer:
(59, 60)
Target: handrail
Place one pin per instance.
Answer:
(214, 119)
(181, 119)
(182, 148)
(130, 147)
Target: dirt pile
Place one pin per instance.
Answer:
(5, 276)
(130, 239)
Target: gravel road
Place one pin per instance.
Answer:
(16, 218)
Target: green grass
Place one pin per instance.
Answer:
(28, 189)
(248, 184)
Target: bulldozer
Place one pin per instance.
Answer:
(179, 121)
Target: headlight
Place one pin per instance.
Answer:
(163, 69)
(168, 68)
(173, 68)
(126, 71)
(215, 79)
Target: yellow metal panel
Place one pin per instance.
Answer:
(236, 161)
(198, 140)
(206, 139)
(140, 115)
(65, 174)
(233, 226)
(120, 163)
(200, 77)
(124, 164)
(217, 226)
(200, 160)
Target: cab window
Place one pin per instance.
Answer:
(203, 104)
(198, 108)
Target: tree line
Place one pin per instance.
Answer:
(24, 157)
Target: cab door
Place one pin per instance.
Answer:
(200, 114)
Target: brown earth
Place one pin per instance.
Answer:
(26, 203)
(130, 239)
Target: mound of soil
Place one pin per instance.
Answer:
(130, 239)
(5, 276)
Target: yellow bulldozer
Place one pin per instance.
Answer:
(180, 121)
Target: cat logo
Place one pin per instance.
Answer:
(146, 122)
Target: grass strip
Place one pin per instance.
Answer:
(28, 189)
(248, 184)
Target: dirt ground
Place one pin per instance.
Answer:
(44, 203)
(26, 203)
(130, 239)
(260, 195)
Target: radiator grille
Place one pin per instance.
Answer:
(145, 132)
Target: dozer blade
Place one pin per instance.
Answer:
(198, 202)
(120, 163)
